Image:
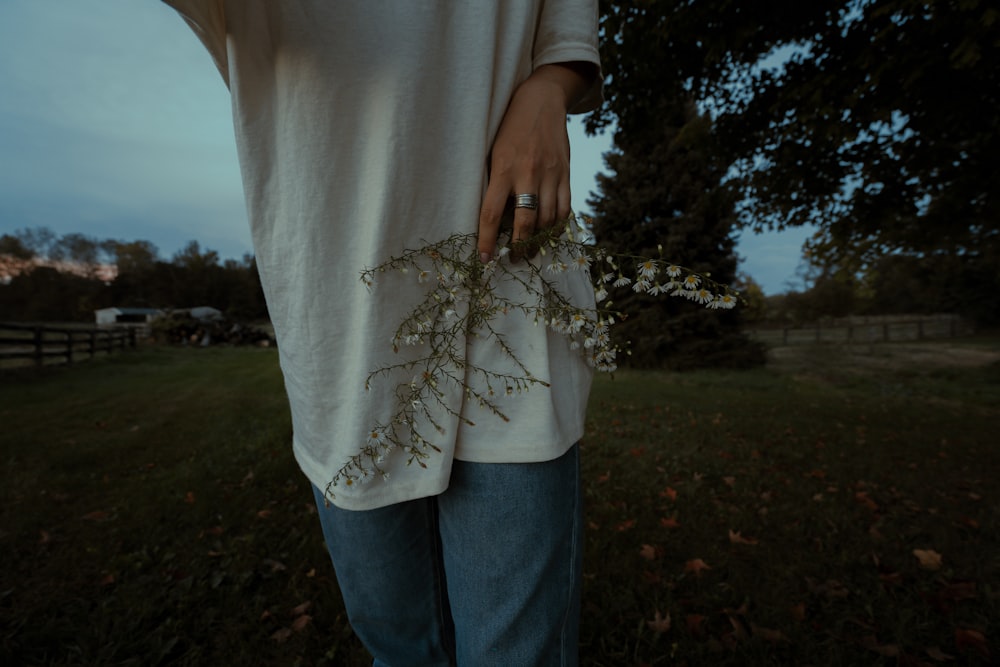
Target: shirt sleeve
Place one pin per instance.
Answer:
(567, 32)
(208, 20)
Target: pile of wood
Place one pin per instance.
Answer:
(181, 328)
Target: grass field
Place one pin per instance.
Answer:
(837, 508)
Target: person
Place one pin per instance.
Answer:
(365, 129)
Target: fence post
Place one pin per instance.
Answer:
(69, 348)
(39, 340)
(93, 343)
(131, 337)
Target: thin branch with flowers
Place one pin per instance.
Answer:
(461, 300)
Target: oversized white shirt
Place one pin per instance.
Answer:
(363, 129)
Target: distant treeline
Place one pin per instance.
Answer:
(45, 277)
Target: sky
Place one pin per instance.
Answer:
(114, 123)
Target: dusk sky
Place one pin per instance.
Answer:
(115, 124)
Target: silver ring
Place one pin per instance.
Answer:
(526, 201)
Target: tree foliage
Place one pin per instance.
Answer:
(50, 278)
(874, 120)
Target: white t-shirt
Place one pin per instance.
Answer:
(364, 129)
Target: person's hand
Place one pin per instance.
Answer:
(531, 155)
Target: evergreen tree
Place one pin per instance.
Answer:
(665, 195)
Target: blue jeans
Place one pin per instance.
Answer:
(487, 573)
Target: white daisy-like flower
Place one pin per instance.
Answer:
(581, 262)
(703, 296)
(647, 269)
(622, 281)
(601, 294)
(640, 286)
(607, 277)
(376, 436)
(556, 266)
(723, 302)
(674, 271)
(692, 281)
(657, 289)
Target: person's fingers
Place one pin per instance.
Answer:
(525, 224)
(563, 200)
(490, 216)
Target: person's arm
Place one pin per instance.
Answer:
(531, 152)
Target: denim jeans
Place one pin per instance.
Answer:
(487, 573)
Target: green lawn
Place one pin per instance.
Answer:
(825, 511)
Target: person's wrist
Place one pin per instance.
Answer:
(572, 79)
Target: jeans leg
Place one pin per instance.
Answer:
(388, 566)
(512, 539)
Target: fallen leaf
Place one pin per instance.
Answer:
(628, 524)
(862, 497)
(108, 580)
(605, 477)
(729, 481)
(300, 623)
(695, 566)
(276, 566)
(736, 538)
(97, 515)
(966, 639)
(301, 609)
(939, 655)
(669, 492)
(311, 573)
(659, 624)
(265, 615)
(695, 624)
(264, 514)
(189, 497)
(282, 635)
(929, 559)
(670, 522)
(648, 552)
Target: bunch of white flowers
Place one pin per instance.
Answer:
(460, 300)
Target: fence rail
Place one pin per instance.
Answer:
(63, 344)
(864, 330)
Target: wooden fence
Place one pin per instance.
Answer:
(879, 329)
(40, 344)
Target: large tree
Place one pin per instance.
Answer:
(874, 120)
